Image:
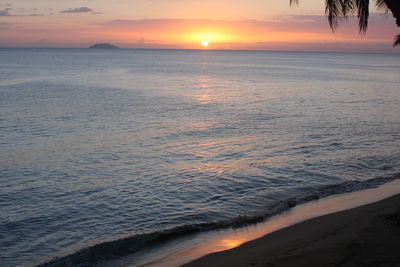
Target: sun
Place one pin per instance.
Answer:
(204, 43)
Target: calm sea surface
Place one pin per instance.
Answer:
(99, 145)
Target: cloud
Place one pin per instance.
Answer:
(285, 31)
(379, 25)
(43, 42)
(5, 12)
(278, 33)
(27, 9)
(83, 9)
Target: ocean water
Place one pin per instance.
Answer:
(108, 151)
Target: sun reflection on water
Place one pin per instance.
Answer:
(208, 90)
(232, 243)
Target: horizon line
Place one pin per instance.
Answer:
(208, 49)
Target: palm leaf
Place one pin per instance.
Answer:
(396, 40)
(381, 5)
(336, 10)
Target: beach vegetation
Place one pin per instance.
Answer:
(337, 10)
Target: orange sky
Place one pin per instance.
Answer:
(233, 24)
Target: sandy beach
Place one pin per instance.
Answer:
(365, 236)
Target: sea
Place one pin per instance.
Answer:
(105, 152)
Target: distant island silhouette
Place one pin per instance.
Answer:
(104, 46)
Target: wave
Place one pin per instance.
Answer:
(117, 248)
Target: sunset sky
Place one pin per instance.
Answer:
(226, 24)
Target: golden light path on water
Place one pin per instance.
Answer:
(186, 249)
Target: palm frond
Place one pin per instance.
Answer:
(336, 10)
(348, 6)
(363, 14)
(394, 7)
(396, 40)
(381, 5)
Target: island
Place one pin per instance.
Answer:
(104, 46)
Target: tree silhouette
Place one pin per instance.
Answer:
(336, 10)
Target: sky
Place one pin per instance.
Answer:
(184, 24)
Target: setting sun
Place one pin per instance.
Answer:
(204, 43)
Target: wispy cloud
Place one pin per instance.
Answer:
(380, 25)
(83, 9)
(5, 12)
(21, 9)
(277, 33)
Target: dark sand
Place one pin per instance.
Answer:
(365, 236)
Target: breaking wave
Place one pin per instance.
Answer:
(121, 247)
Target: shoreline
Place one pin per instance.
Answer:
(361, 236)
(207, 245)
(189, 247)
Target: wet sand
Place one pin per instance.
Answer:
(365, 236)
